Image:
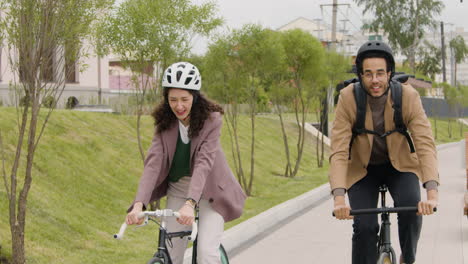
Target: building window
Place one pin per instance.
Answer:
(70, 71)
(47, 69)
(71, 51)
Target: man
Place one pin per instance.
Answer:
(359, 164)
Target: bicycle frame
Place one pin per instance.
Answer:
(384, 244)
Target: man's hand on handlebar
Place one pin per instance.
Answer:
(427, 207)
(341, 209)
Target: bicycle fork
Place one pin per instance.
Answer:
(385, 242)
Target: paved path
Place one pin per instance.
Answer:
(316, 237)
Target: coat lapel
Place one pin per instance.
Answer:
(170, 138)
(194, 142)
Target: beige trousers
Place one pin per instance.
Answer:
(210, 226)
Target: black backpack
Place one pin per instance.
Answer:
(361, 103)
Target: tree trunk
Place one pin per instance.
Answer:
(462, 112)
(301, 126)
(231, 116)
(449, 127)
(18, 244)
(252, 149)
(288, 169)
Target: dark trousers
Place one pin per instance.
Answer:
(405, 191)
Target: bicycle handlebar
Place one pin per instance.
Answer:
(384, 210)
(157, 213)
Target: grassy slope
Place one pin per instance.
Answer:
(86, 172)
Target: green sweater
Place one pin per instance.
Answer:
(181, 162)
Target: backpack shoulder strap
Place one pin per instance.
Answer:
(395, 88)
(397, 94)
(360, 97)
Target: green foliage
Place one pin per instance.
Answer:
(24, 100)
(429, 60)
(403, 21)
(459, 47)
(143, 32)
(49, 102)
(304, 55)
(72, 102)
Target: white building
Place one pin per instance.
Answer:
(90, 76)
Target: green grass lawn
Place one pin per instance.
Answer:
(86, 172)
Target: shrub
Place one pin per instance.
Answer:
(49, 102)
(72, 102)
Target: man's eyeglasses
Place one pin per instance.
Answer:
(379, 75)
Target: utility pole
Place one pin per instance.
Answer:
(444, 77)
(333, 37)
(334, 22)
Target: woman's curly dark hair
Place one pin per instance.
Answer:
(201, 109)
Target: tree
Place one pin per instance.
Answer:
(460, 51)
(337, 69)
(260, 54)
(304, 59)
(224, 83)
(429, 62)
(148, 34)
(450, 94)
(42, 37)
(403, 21)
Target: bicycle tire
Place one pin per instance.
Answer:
(223, 254)
(387, 257)
(156, 260)
(161, 258)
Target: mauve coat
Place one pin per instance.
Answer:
(212, 179)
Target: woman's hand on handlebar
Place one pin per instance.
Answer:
(132, 217)
(341, 209)
(187, 215)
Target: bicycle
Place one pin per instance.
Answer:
(162, 256)
(385, 252)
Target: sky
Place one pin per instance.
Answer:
(276, 13)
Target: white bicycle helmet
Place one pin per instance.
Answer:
(182, 75)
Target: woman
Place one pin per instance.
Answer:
(186, 163)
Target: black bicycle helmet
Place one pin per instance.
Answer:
(375, 46)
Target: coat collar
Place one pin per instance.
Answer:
(388, 117)
(170, 137)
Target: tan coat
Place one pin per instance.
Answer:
(212, 179)
(344, 173)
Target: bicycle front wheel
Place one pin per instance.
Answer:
(156, 261)
(223, 254)
(386, 258)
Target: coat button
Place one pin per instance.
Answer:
(210, 200)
